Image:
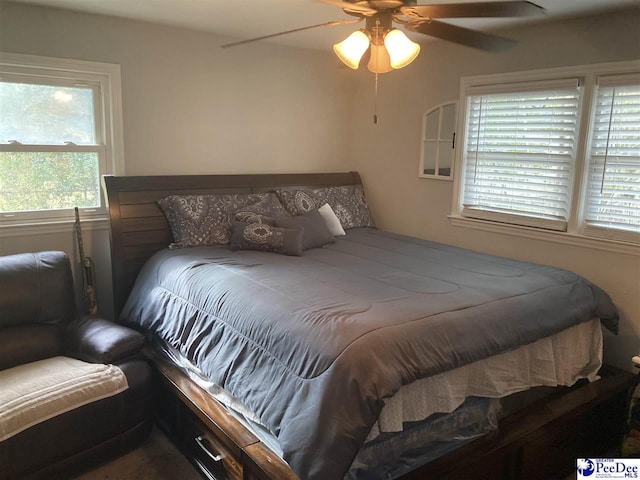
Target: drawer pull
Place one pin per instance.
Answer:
(204, 470)
(199, 440)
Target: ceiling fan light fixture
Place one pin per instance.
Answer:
(402, 51)
(352, 48)
(379, 61)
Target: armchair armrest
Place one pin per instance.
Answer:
(97, 340)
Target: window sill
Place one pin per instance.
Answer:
(44, 228)
(547, 235)
(435, 177)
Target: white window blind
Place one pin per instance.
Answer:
(613, 185)
(519, 155)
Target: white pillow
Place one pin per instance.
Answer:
(333, 223)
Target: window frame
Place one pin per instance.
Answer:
(104, 79)
(587, 228)
(568, 85)
(576, 233)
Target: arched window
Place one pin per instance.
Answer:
(438, 141)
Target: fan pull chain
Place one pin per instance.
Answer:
(375, 102)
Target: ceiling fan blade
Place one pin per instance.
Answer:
(464, 36)
(271, 35)
(481, 9)
(353, 7)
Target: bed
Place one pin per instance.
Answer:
(323, 335)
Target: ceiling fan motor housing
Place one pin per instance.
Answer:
(385, 4)
(378, 26)
(378, 5)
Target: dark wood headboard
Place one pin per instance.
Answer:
(138, 228)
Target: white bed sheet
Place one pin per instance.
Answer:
(561, 359)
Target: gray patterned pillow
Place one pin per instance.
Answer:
(315, 234)
(250, 217)
(347, 202)
(197, 220)
(260, 236)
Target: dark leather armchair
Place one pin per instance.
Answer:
(38, 321)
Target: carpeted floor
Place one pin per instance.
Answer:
(156, 459)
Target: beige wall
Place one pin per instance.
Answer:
(387, 154)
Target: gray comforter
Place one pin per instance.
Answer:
(314, 344)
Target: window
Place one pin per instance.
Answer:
(613, 192)
(554, 150)
(60, 131)
(438, 141)
(520, 152)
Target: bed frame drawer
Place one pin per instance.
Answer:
(214, 457)
(214, 441)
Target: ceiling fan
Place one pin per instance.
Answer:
(390, 49)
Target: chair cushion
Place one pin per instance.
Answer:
(73, 441)
(37, 391)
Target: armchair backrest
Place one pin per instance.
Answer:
(37, 301)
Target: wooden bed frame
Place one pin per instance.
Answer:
(541, 440)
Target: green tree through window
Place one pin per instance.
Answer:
(48, 180)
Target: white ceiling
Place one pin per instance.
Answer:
(243, 19)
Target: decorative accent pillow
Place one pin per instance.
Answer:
(330, 219)
(197, 220)
(260, 236)
(315, 232)
(250, 217)
(347, 202)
